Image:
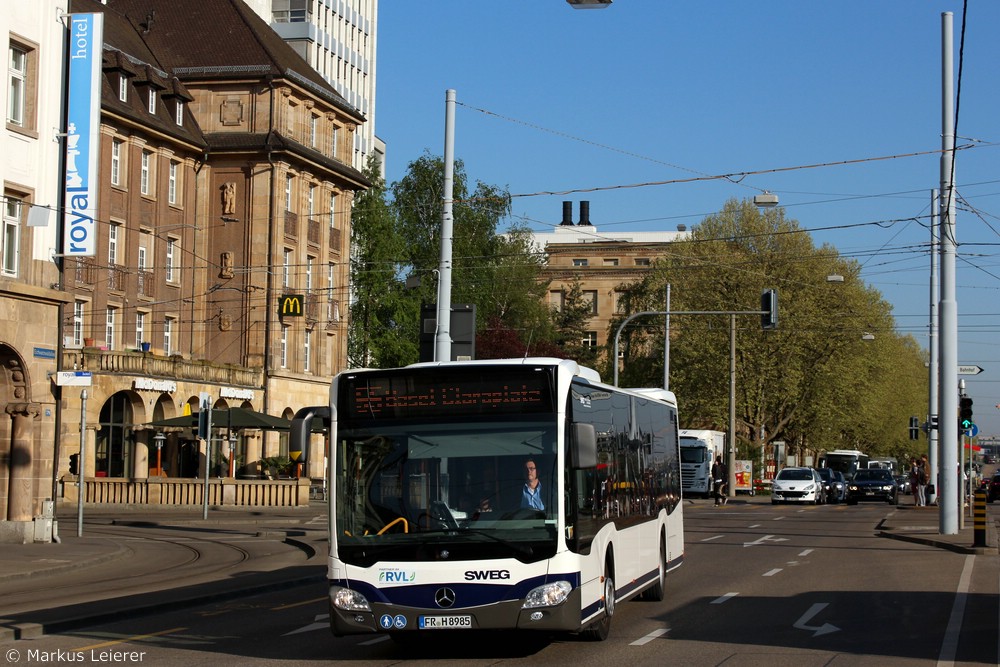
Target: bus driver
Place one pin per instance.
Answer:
(531, 497)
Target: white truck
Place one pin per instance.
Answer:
(698, 451)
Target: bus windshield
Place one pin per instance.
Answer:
(414, 478)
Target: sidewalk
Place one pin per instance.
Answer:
(921, 525)
(131, 560)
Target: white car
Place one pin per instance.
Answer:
(797, 485)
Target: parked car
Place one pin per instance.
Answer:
(993, 491)
(872, 484)
(797, 485)
(903, 483)
(832, 488)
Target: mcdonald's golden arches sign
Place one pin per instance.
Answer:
(291, 305)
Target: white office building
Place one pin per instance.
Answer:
(338, 38)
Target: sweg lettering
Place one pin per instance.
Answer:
(480, 575)
(397, 577)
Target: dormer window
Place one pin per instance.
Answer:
(123, 88)
(179, 113)
(151, 100)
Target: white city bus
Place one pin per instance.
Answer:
(430, 523)
(847, 461)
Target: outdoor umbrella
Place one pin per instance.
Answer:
(233, 418)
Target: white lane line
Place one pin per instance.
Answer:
(806, 552)
(771, 573)
(650, 637)
(778, 518)
(756, 525)
(949, 647)
(714, 537)
(725, 598)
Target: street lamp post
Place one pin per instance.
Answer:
(158, 440)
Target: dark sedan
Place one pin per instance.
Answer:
(872, 484)
(993, 490)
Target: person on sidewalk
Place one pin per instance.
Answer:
(914, 481)
(923, 467)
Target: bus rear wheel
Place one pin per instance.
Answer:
(657, 591)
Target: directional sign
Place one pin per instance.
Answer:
(969, 370)
(972, 430)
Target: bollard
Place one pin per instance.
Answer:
(979, 520)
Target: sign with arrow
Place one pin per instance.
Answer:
(969, 370)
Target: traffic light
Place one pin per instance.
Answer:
(74, 464)
(914, 428)
(769, 309)
(965, 412)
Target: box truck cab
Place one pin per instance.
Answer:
(698, 450)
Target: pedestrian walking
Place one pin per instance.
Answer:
(720, 476)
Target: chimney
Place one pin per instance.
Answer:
(567, 214)
(584, 214)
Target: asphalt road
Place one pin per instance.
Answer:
(760, 585)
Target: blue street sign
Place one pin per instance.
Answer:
(972, 431)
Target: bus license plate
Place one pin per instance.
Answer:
(445, 622)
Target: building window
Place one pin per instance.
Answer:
(12, 212)
(611, 262)
(116, 161)
(79, 312)
(580, 262)
(312, 200)
(288, 192)
(309, 273)
(331, 298)
(113, 230)
(151, 100)
(140, 329)
(307, 351)
(172, 183)
(289, 11)
(333, 209)
(283, 345)
(168, 336)
(334, 136)
(590, 298)
(642, 261)
(556, 297)
(123, 88)
(179, 113)
(171, 261)
(619, 302)
(313, 120)
(146, 173)
(109, 327)
(589, 339)
(17, 87)
(286, 268)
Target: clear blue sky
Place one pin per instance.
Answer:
(551, 99)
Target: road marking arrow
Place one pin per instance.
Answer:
(766, 538)
(322, 622)
(824, 629)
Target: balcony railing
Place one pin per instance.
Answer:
(147, 284)
(157, 366)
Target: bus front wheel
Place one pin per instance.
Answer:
(600, 629)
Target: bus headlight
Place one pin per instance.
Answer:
(548, 595)
(348, 600)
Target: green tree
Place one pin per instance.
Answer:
(570, 322)
(813, 382)
(380, 306)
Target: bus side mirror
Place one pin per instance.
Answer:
(582, 446)
(301, 429)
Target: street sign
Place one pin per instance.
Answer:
(74, 379)
(969, 370)
(972, 431)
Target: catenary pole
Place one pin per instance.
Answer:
(932, 335)
(948, 404)
(442, 340)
